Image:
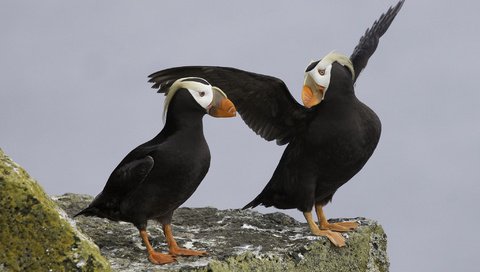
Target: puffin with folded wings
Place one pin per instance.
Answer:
(330, 137)
(156, 177)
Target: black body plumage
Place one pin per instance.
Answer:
(327, 144)
(158, 176)
(339, 136)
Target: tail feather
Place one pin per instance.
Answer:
(254, 203)
(100, 212)
(89, 211)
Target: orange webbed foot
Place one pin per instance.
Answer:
(160, 258)
(153, 256)
(325, 225)
(177, 251)
(340, 226)
(173, 247)
(336, 238)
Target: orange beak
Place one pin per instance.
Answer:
(222, 108)
(311, 98)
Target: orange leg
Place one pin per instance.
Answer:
(174, 249)
(334, 237)
(340, 226)
(153, 256)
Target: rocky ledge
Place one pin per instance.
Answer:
(236, 240)
(37, 235)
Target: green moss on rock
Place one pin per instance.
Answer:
(366, 251)
(236, 240)
(36, 235)
(249, 262)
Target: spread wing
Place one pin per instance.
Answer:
(369, 41)
(264, 102)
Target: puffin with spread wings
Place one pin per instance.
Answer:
(330, 138)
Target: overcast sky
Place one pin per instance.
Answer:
(74, 100)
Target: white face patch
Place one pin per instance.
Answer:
(321, 74)
(317, 78)
(203, 94)
(199, 88)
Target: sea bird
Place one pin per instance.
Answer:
(330, 137)
(155, 178)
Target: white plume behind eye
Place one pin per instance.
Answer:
(201, 92)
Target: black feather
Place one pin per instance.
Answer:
(264, 102)
(369, 41)
(156, 177)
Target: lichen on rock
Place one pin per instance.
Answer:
(236, 240)
(35, 234)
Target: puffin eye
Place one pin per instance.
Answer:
(202, 94)
(321, 72)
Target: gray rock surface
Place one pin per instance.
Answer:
(236, 240)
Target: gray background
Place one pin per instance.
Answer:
(74, 100)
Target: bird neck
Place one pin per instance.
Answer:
(183, 122)
(184, 115)
(339, 91)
